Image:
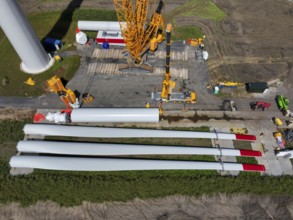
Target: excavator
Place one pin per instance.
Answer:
(139, 36)
(195, 41)
(260, 106)
(167, 94)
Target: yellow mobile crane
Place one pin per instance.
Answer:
(139, 36)
(168, 85)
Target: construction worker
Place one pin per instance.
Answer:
(147, 105)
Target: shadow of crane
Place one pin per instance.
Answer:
(61, 27)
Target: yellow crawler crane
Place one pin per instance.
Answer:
(139, 36)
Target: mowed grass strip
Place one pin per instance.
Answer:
(185, 32)
(12, 130)
(200, 8)
(43, 24)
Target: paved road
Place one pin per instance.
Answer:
(45, 101)
(52, 101)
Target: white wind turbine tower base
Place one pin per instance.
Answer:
(23, 38)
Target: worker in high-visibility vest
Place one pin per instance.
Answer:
(147, 105)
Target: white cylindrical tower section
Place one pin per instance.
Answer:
(23, 38)
(99, 25)
(115, 115)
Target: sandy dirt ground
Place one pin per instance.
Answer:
(253, 42)
(174, 207)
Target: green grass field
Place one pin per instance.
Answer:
(199, 8)
(205, 9)
(45, 21)
(17, 87)
(186, 32)
(42, 24)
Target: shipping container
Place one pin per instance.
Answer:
(257, 87)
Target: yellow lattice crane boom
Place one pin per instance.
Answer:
(139, 36)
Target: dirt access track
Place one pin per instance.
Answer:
(171, 207)
(252, 43)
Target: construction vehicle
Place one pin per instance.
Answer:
(233, 106)
(282, 102)
(139, 36)
(195, 41)
(167, 95)
(279, 140)
(87, 98)
(229, 84)
(66, 95)
(260, 106)
(277, 121)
